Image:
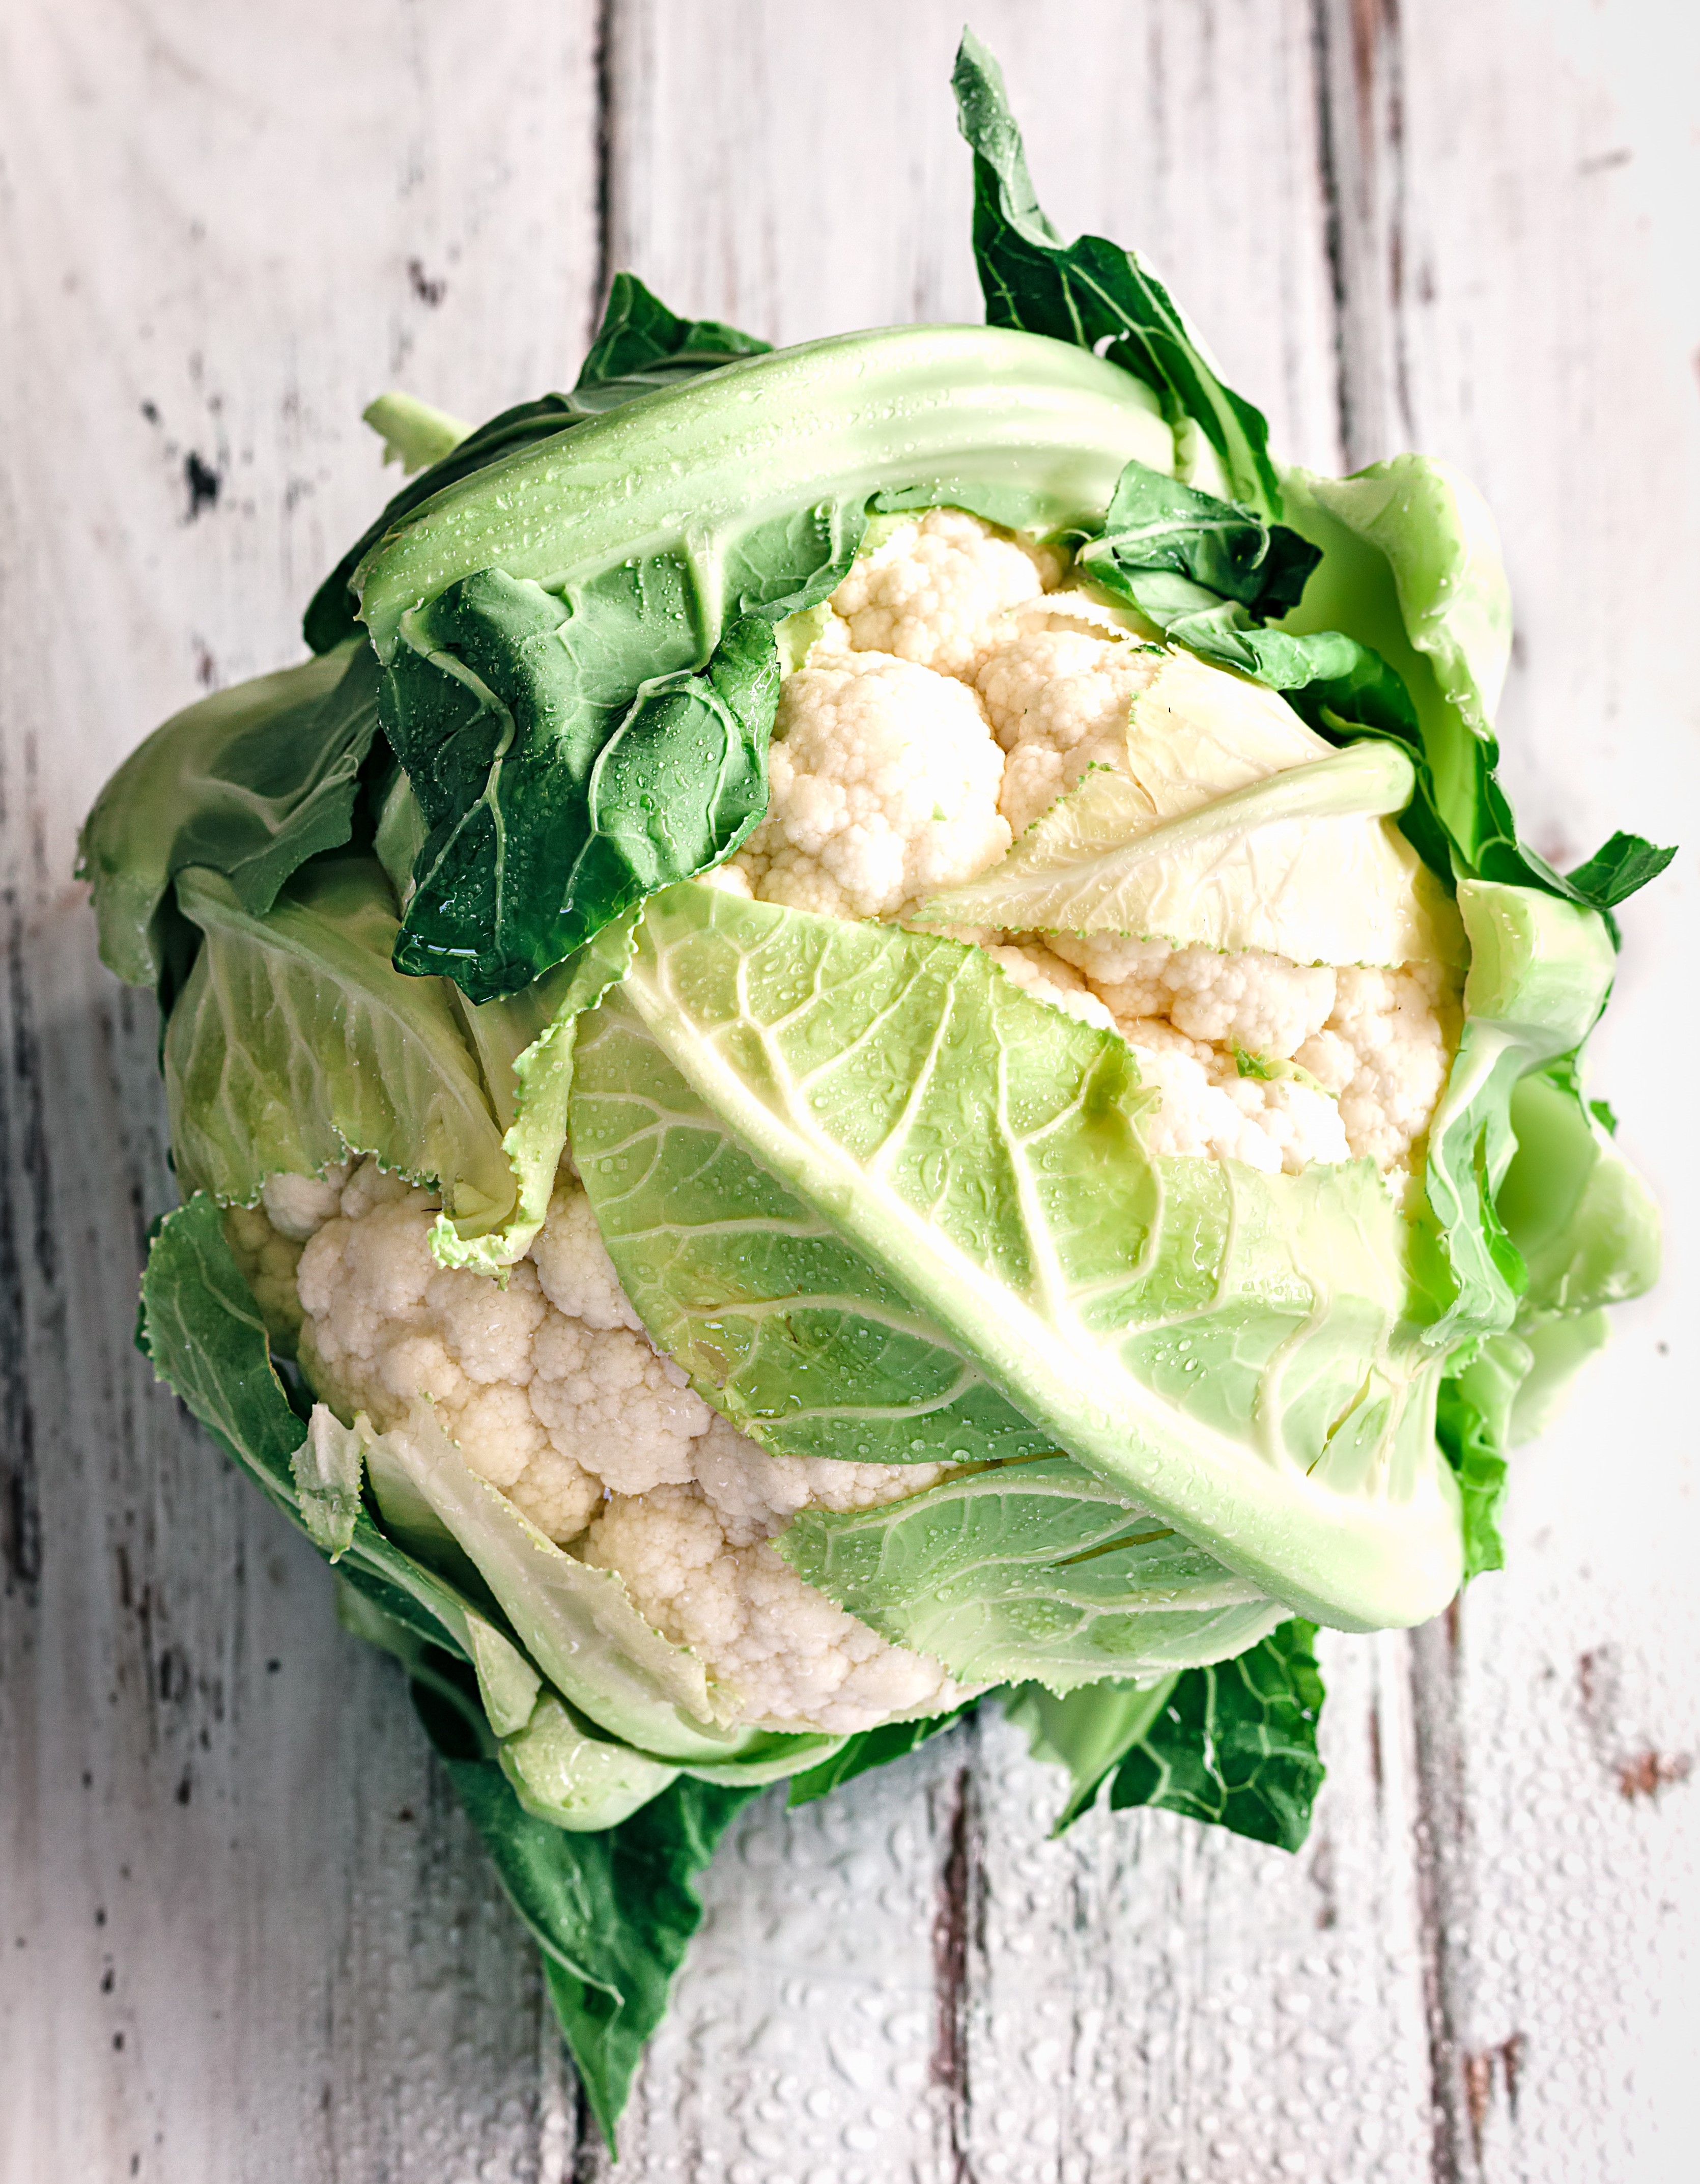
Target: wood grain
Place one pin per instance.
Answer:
(245, 1933)
(1531, 214)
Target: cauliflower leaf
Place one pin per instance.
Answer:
(576, 1622)
(612, 1911)
(1093, 292)
(564, 1774)
(1233, 1743)
(1541, 969)
(1232, 1349)
(1223, 835)
(1038, 1571)
(249, 782)
(295, 1041)
(641, 348)
(780, 1323)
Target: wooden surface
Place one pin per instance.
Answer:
(246, 1937)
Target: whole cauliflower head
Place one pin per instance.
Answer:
(957, 687)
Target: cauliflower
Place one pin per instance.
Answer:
(1038, 972)
(1384, 1051)
(1057, 701)
(951, 694)
(696, 1560)
(1208, 1111)
(954, 693)
(936, 591)
(555, 1396)
(1379, 1042)
(884, 782)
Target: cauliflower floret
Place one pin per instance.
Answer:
(884, 781)
(268, 1260)
(755, 1494)
(1302, 1124)
(1210, 1111)
(936, 591)
(1059, 702)
(298, 1205)
(1198, 1118)
(1386, 1047)
(574, 1267)
(1037, 972)
(731, 878)
(370, 1186)
(489, 1329)
(1126, 974)
(267, 1241)
(554, 1395)
(1330, 1059)
(615, 1407)
(1260, 1004)
(552, 1405)
(1379, 1041)
(558, 1496)
(795, 1659)
(883, 792)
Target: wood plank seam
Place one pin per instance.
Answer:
(1358, 62)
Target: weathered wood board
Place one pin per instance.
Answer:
(245, 1933)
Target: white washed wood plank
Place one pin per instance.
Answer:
(1547, 323)
(798, 169)
(804, 2034)
(1140, 1994)
(1157, 1999)
(244, 1934)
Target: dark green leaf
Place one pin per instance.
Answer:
(612, 1912)
(1617, 869)
(1157, 530)
(869, 1748)
(1092, 292)
(639, 334)
(201, 1330)
(1236, 1744)
(556, 797)
(641, 346)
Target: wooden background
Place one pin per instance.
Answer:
(246, 1937)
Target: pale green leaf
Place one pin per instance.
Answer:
(562, 1773)
(1038, 1571)
(1232, 1350)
